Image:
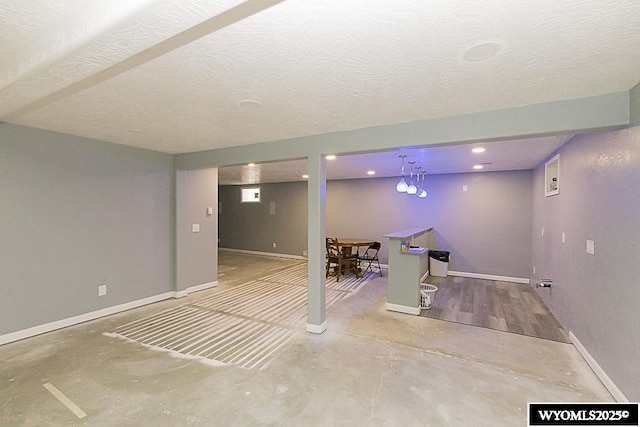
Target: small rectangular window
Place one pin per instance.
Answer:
(251, 195)
(552, 176)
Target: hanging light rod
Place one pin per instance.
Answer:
(411, 189)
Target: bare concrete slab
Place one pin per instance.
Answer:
(371, 367)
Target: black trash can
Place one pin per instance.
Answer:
(439, 263)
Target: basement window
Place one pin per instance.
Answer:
(552, 176)
(251, 195)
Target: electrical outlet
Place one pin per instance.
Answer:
(305, 253)
(274, 244)
(102, 290)
(465, 188)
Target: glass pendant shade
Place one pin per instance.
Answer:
(422, 193)
(401, 186)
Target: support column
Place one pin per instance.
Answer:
(317, 200)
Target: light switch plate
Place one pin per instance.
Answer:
(195, 228)
(542, 232)
(102, 290)
(209, 211)
(591, 247)
(564, 237)
(465, 188)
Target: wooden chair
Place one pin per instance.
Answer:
(337, 260)
(370, 256)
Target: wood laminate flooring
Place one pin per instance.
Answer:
(505, 306)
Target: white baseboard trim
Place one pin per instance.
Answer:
(70, 321)
(204, 286)
(600, 373)
(243, 251)
(403, 309)
(423, 279)
(317, 329)
(489, 277)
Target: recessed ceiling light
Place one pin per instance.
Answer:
(371, 172)
(305, 176)
(477, 167)
(330, 157)
(136, 131)
(478, 150)
(251, 164)
(481, 51)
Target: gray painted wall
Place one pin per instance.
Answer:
(250, 226)
(595, 296)
(197, 253)
(487, 228)
(76, 213)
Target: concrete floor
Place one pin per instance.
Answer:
(370, 368)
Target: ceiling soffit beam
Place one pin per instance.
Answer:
(204, 28)
(634, 114)
(551, 118)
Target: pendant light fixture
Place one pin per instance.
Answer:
(401, 186)
(418, 186)
(411, 189)
(422, 193)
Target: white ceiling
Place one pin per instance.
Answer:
(182, 76)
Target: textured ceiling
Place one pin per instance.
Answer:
(177, 76)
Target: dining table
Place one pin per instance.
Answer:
(347, 244)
